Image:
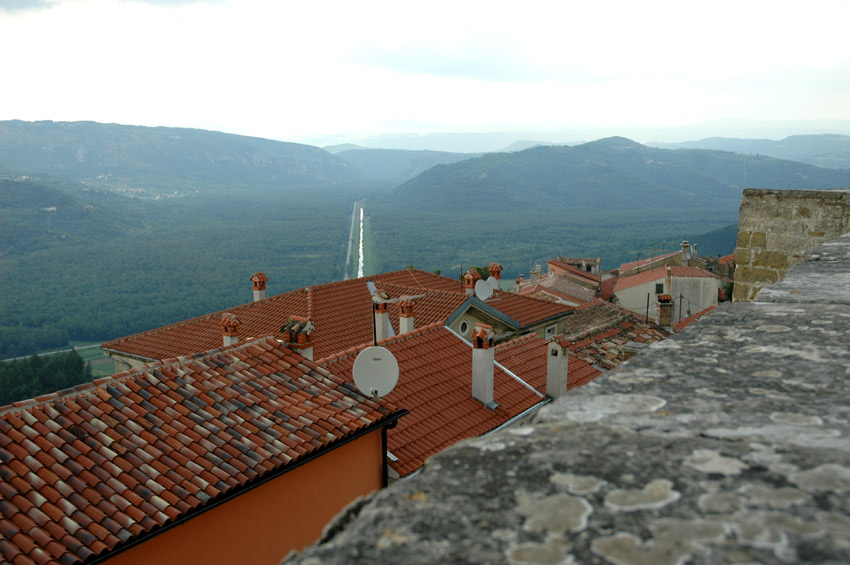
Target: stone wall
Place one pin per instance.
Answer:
(775, 229)
(726, 443)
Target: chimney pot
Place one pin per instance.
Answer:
(298, 336)
(483, 364)
(229, 328)
(405, 316)
(259, 284)
(557, 368)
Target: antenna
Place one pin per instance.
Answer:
(483, 290)
(375, 371)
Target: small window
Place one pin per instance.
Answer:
(550, 331)
(464, 327)
(659, 288)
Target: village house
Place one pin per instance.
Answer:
(668, 293)
(236, 455)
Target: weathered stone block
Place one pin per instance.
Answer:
(758, 239)
(771, 259)
(758, 275)
(743, 239)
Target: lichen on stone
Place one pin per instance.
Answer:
(556, 513)
(710, 461)
(656, 494)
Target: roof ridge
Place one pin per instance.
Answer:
(325, 361)
(426, 289)
(212, 315)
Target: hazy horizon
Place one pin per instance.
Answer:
(335, 72)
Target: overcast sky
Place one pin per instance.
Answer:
(311, 70)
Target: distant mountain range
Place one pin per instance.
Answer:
(398, 165)
(161, 160)
(826, 150)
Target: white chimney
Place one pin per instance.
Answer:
(535, 274)
(382, 320)
(686, 253)
(405, 316)
(557, 367)
(483, 364)
(470, 277)
(259, 283)
(229, 329)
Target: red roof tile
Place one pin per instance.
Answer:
(527, 356)
(642, 262)
(598, 332)
(660, 273)
(591, 277)
(435, 384)
(341, 312)
(260, 403)
(685, 322)
(525, 309)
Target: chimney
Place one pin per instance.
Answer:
(229, 329)
(297, 336)
(557, 364)
(382, 320)
(470, 277)
(405, 316)
(664, 310)
(483, 365)
(259, 282)
(496, 272)
(686, 253)
(535, 274)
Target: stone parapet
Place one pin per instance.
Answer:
(777, 227)
(728, 442)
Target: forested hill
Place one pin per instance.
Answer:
(825, 150)
(610, 198)
(399, 165)
(613, 173)
(159, 161)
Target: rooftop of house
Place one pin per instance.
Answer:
(726, 443)
(685, 322)
(526, 310)
(88, 470)
(558, 287)
(591, 277)
(435, 385)
(527, 356)
(340, 311)
(659, 273)
(631, 265)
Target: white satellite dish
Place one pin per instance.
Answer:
(483, 290)
(375, 371)
(493, 282)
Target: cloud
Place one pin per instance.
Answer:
(18, 6)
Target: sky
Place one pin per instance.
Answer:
(348, 71)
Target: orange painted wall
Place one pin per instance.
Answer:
(264, 524)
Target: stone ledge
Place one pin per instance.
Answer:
(729, 442)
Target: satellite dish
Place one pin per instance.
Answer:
(375, 371)
(483, 290)
(493, 282)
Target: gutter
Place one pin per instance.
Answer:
(390, 421)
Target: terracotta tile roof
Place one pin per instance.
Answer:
(561, 285)
(727, 259)
(525, 309)
(89, 469)
(600, 330)
(607, 288)
(685, 322)
(341, 312)
(575, 270)
(527, 357)
(435, 385)
(660, 273)
(642, 262)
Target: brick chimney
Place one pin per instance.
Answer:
(259, 283)
(229, 329)
(297, 336)
(664, 310)
(382, 320)
(686, 253)
(483, 364)
(405, 316)
(470, 277)
(496, 272)
(557, 365)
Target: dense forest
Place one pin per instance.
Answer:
(107, 237)
(27, 378)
